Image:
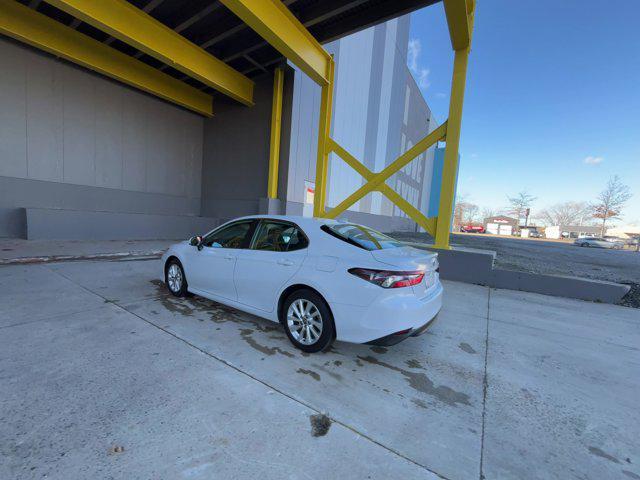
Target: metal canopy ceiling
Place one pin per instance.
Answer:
(212, 26)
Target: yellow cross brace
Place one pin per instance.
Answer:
(460, 15)
(429, 224)
(378, 179)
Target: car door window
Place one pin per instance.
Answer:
(279, 237)
(231, 236)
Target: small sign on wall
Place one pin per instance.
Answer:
(309, 194)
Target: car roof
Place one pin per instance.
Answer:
(297, 219)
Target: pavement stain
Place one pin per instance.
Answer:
(332, 374)
(600, 453)
(422, 383)
(311, 373)
(413, 363)
(419, 403)
(378, 349)
(114, 449)
(465, 347)
(220, 314)
(320, 424)
(246, 333)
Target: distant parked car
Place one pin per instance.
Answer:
(535, 234)
(472, 229)
(598, 242)
(632, 242)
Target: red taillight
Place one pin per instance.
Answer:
(388, 279)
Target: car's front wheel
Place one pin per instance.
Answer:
(175, 278)
(308, 321)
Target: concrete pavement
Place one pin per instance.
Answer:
(95, 355)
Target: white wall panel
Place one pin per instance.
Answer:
(79, 120)
(63, 124)
(108, 160)
(13, 124)
(134, 140)
(44, 113)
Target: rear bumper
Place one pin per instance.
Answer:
(402, 335)
(390, 319)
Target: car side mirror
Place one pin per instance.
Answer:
(196, 241)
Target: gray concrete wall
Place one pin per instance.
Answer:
(476, 266)
(236, 152)
(73, 139)
(45, 223)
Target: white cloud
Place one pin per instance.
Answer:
(413, 52)
(590, 160)
(420, 73)
(441, 95)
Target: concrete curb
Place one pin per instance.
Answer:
(476, 266)
(73, 258)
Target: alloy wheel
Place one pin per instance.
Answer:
(304, 321)
(174, 278)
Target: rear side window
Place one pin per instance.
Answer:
(360, 236)
(279, 237)
(231, 236)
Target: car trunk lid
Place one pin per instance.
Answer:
(406, 258)
(411, 259)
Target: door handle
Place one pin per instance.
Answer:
(286, 263)
(229, 257)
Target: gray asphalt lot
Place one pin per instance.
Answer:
(552, 257)
(104, 375)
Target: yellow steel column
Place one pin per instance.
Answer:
(324, 132)
(276, 125)
(454, 122)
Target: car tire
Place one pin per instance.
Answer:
(307, 321)
(175, 278)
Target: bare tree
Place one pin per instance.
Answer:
(471, 213)
(566, 213)
(611, 201)
(519, 204)
(464, 213)
(488, 212)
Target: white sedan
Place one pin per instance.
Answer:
(321, 279)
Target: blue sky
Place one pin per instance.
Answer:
(552, 102)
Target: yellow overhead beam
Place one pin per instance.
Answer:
(274, 22)
(131, 25)
(29, 26)
(458, 12)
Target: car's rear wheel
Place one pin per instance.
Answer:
(175, 278)
(308, 321)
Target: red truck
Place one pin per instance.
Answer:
(472, 228)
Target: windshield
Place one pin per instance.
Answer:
(360, 236)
